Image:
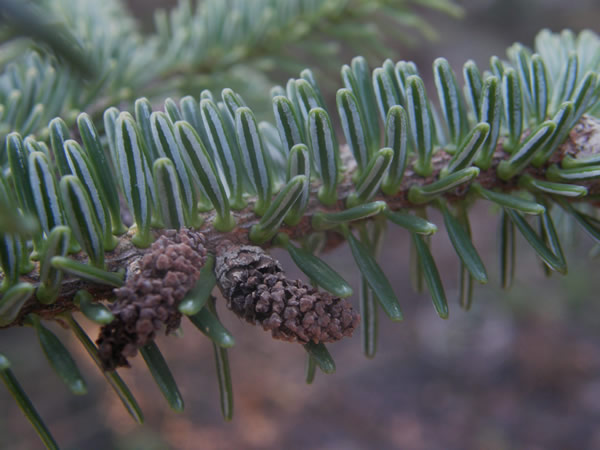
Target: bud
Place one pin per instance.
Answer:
(257, 290)
(149, 299)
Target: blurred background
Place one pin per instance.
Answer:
(520, 370)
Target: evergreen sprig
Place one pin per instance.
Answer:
(506, 147)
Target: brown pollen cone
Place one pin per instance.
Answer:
(149, 299)
(257, 290)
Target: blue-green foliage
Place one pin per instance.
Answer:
(203, 158)
(221, 139)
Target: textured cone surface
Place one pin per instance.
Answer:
(149, 299)
(257, 290)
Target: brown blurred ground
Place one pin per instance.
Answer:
(521, 370)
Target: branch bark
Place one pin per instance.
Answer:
(583, 140)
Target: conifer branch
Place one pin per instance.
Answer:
(582, 141)
(206, 189)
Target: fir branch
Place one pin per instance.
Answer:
(181, 168)
(126, 256)
(340, 184)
